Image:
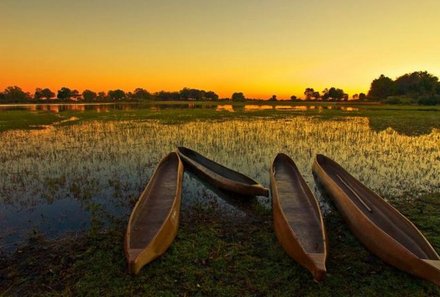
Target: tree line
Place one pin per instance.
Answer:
(417, 87)
(329, 94)
(16, 94)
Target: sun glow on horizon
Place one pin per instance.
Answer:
(260, 48)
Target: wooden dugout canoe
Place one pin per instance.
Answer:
(379, 226)
(297, 217)
(154, 220)
(219, 175)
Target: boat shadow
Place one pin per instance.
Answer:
(247, 204)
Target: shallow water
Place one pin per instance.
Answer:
(59, 179)
(107, 107)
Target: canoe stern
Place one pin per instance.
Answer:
(431, 271)
(317, 266)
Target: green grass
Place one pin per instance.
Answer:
(22, 119)
(214, 256)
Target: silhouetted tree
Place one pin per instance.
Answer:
(89, 95)
(75, 94)
(192, 94)
(273, 98)
(45, 93)
(345, 97)
(362, 96)
(238, 96)
(355, 97)
(37, 94)
(309, 93)
(141, 94)
(101, 96)
(381, 88)
(416, 84)
(165, 96)
(293, 98)
(64, 93)
(15, 94)
(316, 95)
(116, 94)
(333, 93)
(210, 95)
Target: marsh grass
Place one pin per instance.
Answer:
(58, 174)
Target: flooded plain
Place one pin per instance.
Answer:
(58, 180)
(108, 107)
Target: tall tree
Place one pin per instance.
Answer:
(15, 94)
(101, 96)
(141, 94)
(210, 95)
(273, 98)
(316, 95)
(64, 93)
(309, 92)
(420, 83)
(45, 93)
(333, 93)
(89, 95)
(116, 94)
(238, 96)
(381, 88)
(75, 95)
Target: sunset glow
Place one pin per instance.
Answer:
(259, 48)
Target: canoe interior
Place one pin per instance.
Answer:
(382, 214)
(215, 167)
(152, 211)
(298, 204)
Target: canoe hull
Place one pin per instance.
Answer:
(219, 181)
(137, 258)
(374, 238)
(314, 262)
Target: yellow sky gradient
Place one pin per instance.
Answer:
(257, 47)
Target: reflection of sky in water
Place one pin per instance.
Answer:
(225, 107)
(100, 107)
(54, 180)
(251, 107)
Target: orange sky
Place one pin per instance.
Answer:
(257, 47)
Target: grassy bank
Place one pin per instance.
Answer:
(215, 256)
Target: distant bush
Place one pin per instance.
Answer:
(431, 100)
(400, 100)
(393, 100)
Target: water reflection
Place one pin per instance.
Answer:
(252, 107)
(55, 180)
(101, 107)
(289, 107)
(226, 107)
